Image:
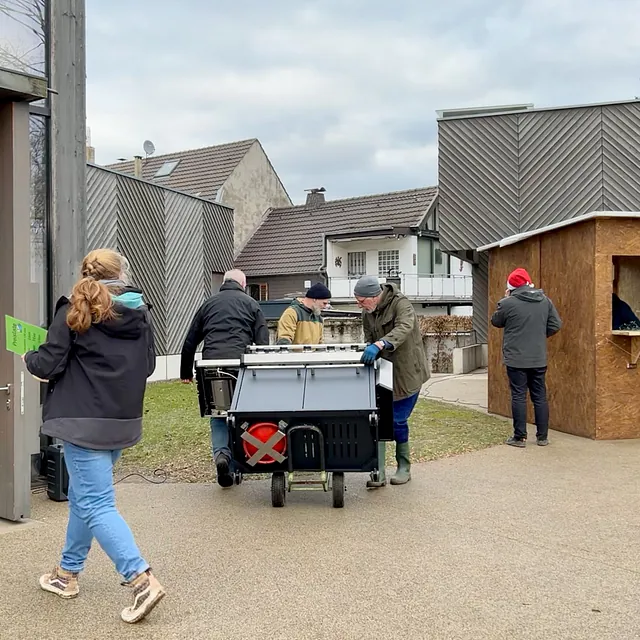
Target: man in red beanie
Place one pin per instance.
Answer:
(528, 318)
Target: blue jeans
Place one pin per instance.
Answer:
(401, 411)
(93, 513)
(220, 440)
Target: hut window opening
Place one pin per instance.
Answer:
(625, 315)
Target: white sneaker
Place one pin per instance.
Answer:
(63, 583)
(147, 593)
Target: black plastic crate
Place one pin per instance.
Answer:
(57, 474)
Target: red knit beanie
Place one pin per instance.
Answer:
(518, 278)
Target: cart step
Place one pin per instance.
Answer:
(308, 485)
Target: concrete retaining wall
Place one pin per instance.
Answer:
(469, 358)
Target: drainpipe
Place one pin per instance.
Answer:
(137, 166)
(322, 270)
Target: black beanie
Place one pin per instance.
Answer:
(318, 292)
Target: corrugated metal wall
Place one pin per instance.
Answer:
(218, 241)
(481, 298)
(170, 239)
(504, 174)
(478, 166)
(184, 242)
(621, 157)
(499, 175)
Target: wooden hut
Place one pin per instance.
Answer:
(593, 379)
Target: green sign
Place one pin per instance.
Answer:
(22, 336)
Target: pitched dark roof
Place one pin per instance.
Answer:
(200, 171)
(289, 240)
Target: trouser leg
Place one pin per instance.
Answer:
(518, 385)
(401, 412)
(538, 391)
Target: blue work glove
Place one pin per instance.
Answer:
(370, 354)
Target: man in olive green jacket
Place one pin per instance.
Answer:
(391, 330)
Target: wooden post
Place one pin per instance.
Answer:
(68, 142)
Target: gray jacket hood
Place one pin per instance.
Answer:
(528, 294)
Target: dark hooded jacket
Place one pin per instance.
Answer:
(528, 318)
(227, 323)
(97, 379)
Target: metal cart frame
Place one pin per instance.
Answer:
(315, 428)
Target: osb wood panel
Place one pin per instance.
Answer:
(502, 261)
(617, 388)
(567, 277)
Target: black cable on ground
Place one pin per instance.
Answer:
(156, 473)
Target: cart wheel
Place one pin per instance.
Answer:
(338, 490)
(278, 490)
(238, 477)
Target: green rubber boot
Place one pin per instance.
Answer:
(375, 482)
(403, 474)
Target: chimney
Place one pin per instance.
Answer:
(91, 151)
(315, 197)
(137, 166)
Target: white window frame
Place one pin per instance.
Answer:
(359, 261)
(389, 263)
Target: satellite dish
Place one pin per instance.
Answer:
(149, 147)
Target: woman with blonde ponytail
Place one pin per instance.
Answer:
(97, 358)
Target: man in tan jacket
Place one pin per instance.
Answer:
(301, 322)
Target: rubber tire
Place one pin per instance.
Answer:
(278, 490)
(338, 490)
(237, 478)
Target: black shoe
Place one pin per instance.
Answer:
(542, 442)
(516, 442)
(225, 479)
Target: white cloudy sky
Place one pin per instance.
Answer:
(342, 93)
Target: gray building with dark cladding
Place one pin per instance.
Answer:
(179, 246)
(507, 170)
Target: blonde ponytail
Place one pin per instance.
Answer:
(90, 303)
(90, 300)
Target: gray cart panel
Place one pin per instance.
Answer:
(269, 389)
(339, 389)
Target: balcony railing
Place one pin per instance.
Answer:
(427, 286)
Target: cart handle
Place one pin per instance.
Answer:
(305, 427)
(309, 365)
(336, 366)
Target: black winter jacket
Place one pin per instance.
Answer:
(228, 323)
(96, 379)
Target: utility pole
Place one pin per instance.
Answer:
(68, 142)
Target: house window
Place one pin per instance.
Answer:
(259, 292)
(356, 263)
(389, 262)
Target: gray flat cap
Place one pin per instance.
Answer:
(367, 287)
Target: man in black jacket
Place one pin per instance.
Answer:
(227, 323)
(528, 318)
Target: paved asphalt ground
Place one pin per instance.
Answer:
(499, 544)
(502, 543)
